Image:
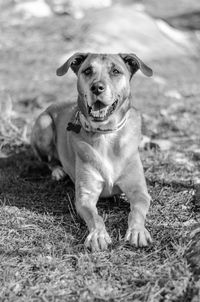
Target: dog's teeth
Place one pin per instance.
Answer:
(101, 113)
(94, 113)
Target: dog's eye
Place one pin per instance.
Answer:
(88, 71)
(115, 71)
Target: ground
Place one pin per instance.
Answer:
(42, 257)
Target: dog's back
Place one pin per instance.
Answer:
(43, 136)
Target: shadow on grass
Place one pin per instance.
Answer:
(26, 184)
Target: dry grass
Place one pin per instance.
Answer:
(42, 253)
(42, 257)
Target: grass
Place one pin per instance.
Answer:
(42, 256)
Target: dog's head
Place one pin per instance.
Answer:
(103, 82)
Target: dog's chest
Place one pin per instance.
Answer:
(114, 152)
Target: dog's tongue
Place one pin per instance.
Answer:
(98, 110)
(97, 106)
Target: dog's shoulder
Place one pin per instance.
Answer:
(134, 122)
(129, 137)
(135, 115)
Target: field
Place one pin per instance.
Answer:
(42, 256)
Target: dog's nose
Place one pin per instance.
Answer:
(97, 88)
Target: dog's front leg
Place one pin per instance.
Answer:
(88, 186)
(133, 184)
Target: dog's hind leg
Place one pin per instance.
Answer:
(57, 171)
(43, 139)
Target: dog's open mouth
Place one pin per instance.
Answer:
(100, 112)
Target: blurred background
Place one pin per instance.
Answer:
(37, 36)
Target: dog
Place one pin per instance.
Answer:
(95, 141)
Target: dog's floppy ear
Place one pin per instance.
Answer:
(74, 62)
(133, 63)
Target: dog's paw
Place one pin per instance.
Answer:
(138, 237)
(98, 240)
(58, 173)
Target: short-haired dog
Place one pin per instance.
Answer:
(95, 141)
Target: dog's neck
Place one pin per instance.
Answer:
(79, 120)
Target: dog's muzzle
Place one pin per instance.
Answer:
(100, 112)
